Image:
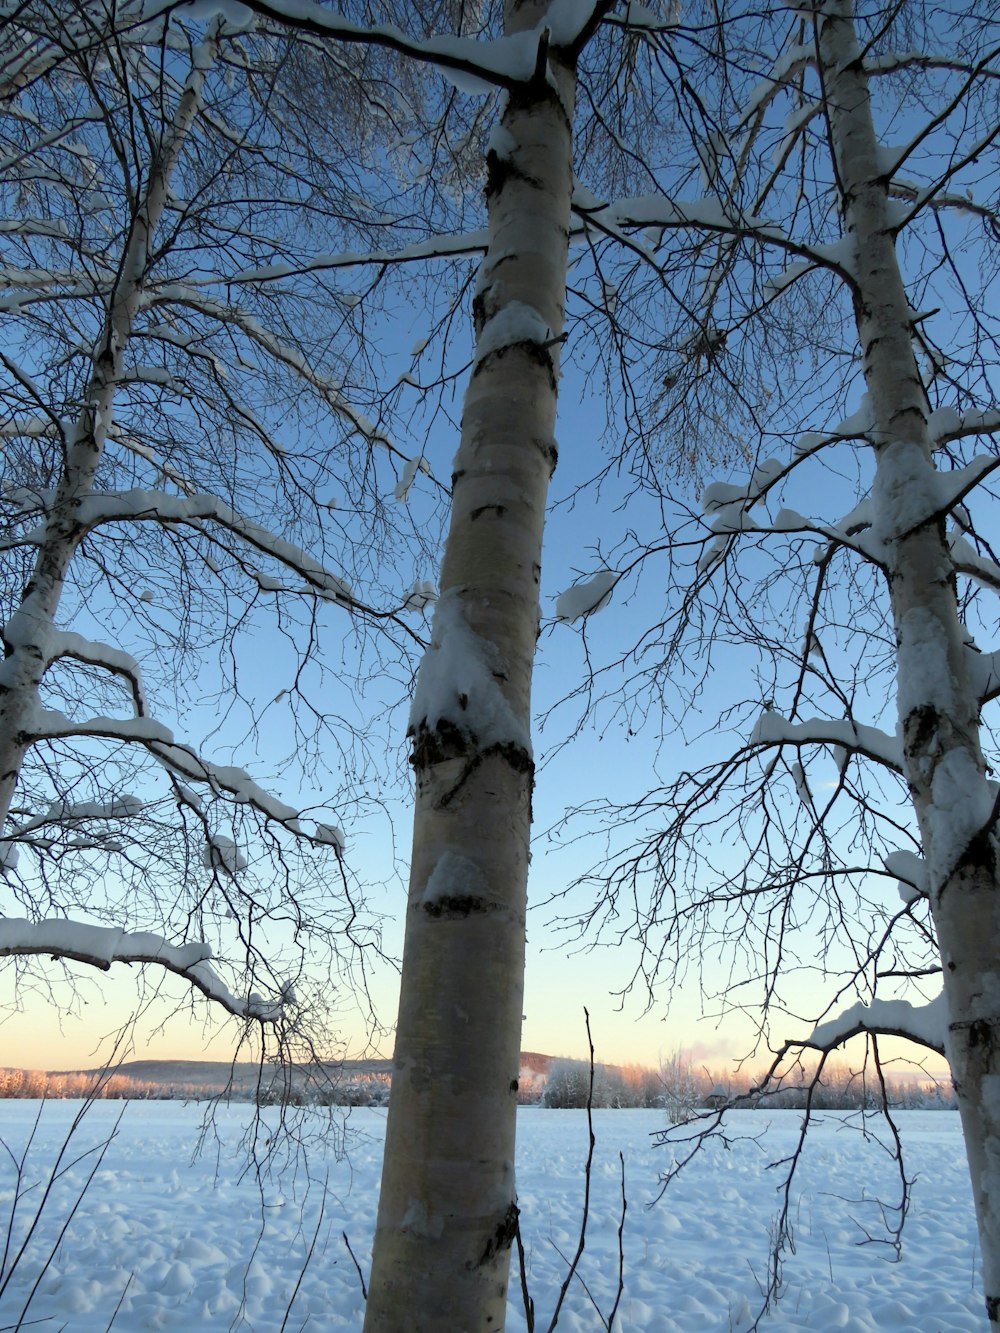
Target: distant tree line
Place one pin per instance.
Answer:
(678, 1086)
(682, 1088)
(39, 1083)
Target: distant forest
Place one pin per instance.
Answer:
(679, 1086)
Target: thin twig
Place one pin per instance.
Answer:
(529, 1304)
(581, 1242)
(621, 1249)
(309, 1255)
(361, 1276)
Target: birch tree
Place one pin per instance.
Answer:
(837, 331)
(180, 330)
(447, 1210)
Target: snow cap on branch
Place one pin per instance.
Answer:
(926, 1024)
(583, 599)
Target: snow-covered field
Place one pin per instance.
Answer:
(167, 1241)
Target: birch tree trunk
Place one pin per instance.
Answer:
(28, 633)
(937, 704)
(447, 1211)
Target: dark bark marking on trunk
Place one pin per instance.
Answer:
(993, 1309)
(502, 1238)
(919, 727)
(550, 452)
(435, 745)
(445, 741)
(459, 906)
(536, 352)
(515, 755)
(498, 509)
(501, 170)
(980, 1034)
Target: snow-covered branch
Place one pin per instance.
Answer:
(102, 946)
(925, 1024)
(714, 216)
(180, 760)
(192, 510)
(771, 729)
(503, 62)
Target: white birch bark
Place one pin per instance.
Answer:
(27, 635)
(447, 1211)
(938, 707)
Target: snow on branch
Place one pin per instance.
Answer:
(911, 874)
(772, 729)
(177, 293)
(984, 670)
(785, 69)
(583, 599)
(183, 761)
(969, 562)
(69, 813)
(709, 214)
(101, 946)
(947, 423)
(124, 506)
(26, 630)
(65, 643)
(434, 247)
(925, 1024)
(502, 61)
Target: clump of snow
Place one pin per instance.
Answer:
(501, 142)
(514, 323)
(465, 82)
(332, 835)
(458, 681)
(585, 598)
(904, 493)
(788, 520)
(410, 470)
(453, 876)
(223, 854)
(729, 504)
(9, 856)
(926, 1024)
(943, 422)
(801, 785)
(962, 801)
(925, 674)
(911, 872)
(421, 594)
(267, 582)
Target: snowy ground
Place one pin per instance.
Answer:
(201, 1244)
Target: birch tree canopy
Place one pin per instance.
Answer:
(194, 456)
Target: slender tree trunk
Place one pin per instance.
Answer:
(28, 634)
(938, 707)
(447, 1211)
